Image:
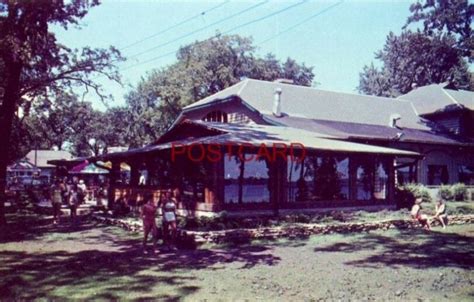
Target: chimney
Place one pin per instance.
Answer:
(277, 102)
(393, 120)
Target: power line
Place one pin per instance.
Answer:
(266, 16)
(225, 32)
(176, 25)
(200, 29)
(300, 23)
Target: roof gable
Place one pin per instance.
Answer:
(41, 157)
(311, 103)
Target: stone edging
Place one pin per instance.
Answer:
(297, 230)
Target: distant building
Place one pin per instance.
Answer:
(40, 158)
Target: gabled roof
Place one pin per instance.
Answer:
(43, 156)
(311, 103)
(437, 97)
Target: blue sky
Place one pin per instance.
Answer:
(338, 42)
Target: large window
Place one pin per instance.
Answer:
(246, 181)
(437, 175)
(406, 174)
(371, 179)
(318, 178)
(466, 174)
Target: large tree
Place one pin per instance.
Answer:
(203, 68)
(414, 58)
(35, 65)
(452, 17)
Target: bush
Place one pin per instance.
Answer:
(413, 191)
(459, 191)
(445, 192)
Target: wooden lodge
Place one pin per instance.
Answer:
(272, 146)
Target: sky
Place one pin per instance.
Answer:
(337, 38)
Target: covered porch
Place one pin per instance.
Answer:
(214, 167)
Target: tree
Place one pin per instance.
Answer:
(203, 68)
(35, 65)
(414, 58)
(452, 17)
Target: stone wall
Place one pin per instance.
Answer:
(296, 230)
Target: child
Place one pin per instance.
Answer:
(441, 214)
(421, 218)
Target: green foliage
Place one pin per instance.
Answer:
(452, 17)
(459, 192)
(445, 192)
(414, 58)
(418, 191)
(202, 68)
(34, 65)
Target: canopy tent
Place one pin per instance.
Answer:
(87, 168)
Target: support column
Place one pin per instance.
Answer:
(114, 177)
(391, 181)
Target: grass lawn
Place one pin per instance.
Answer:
(92, 261)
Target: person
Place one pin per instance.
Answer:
(418, 216)
(73, 201)
(56, 199)
(148, 213)
(81, 191)
(142, 179)
(169, 218)
(441, 214)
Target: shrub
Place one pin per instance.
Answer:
(417, 191)
(459, 191)
(445, 192)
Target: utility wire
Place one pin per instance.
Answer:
(200, 29)
(176, 25)
(300, 23)
(225, 32)
(265, 17)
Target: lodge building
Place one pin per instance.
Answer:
(327, 149)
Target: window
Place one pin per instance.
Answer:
(216, 116)
(437, 175)
(406, 174)
(466, 174)
(245, 181)
(318, 178)
(381, 180)
(371, 179)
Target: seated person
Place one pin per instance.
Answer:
(441, 214)
(418, 216)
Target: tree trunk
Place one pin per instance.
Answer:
(7, 112)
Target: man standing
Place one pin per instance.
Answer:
(149, 223)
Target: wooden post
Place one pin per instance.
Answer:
(114, 177)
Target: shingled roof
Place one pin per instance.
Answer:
(311, 103)
(437, 97)
(343, 130)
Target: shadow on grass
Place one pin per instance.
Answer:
(29, 226)
(414, 248)
(106, 265)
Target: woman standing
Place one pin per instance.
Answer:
(56, 199)
(169, 219)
